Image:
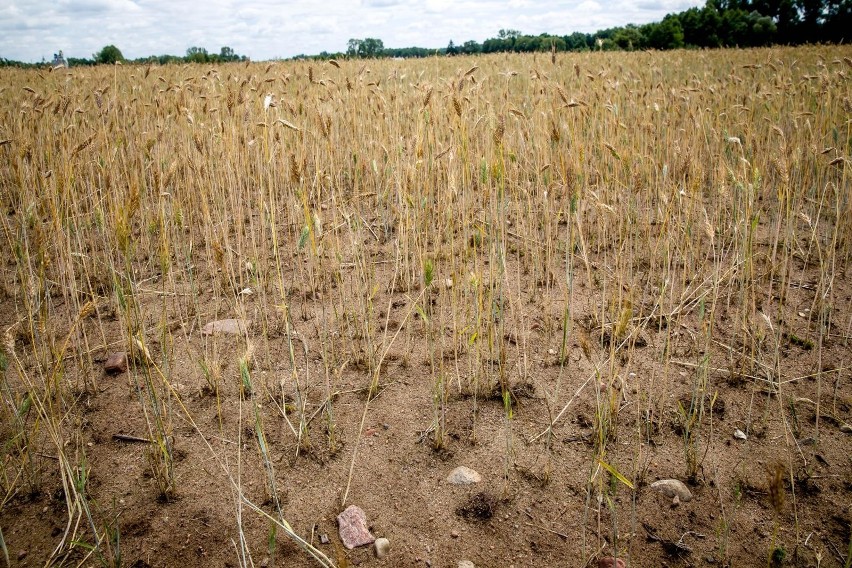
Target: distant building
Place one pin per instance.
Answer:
(59, 60)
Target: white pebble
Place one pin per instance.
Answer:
(382, 547)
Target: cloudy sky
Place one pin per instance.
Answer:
(265, 29)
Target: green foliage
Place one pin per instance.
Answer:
(508, 34)
(368, 47)
(245, 375)
(668, 34)
(471, 47)
(628, 38)
(428, 273)
(197, 55)
(109, 55)
(778, 556)
(228, 54)
(303, 237)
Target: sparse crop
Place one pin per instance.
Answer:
(581, 270)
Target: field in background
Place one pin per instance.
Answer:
(576, 275)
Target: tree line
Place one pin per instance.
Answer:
(719, 23)
(110, 54)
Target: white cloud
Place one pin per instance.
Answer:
(263, 29)
(86, 7)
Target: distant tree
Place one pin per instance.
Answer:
(367, 47)
(762, 28)
(166, 59)
(548, 41)
(628, 38)
(79, 62)
(228, 54)
(108, 55)
(690, 22)
(470, 47)
(508, 34)
(736, 28)
(451, 48)
(838, 21)
(526, 44)
(578, 42)
(197, 55)
(667, 34)
(495, 45)
(371, 47)
(353, 47)
(812, 16)
(710, 26)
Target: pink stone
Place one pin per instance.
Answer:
(610, 562)
(352, 525)
(116, 363)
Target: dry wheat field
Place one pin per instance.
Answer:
(236, 300)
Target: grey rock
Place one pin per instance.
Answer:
(116, 363)
(324, 538)
(463, 476)
(352, 526)
(466, 564)
(226, 326)
(673, 488)
(846, 429)
(382, 547)
(740, 435)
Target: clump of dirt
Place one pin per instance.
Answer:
(479, 507)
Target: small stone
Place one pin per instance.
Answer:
(226, 326)
(466, 564)
(454, 533)
(673, 488)
(846, 429)
(740, 435)
(21, 555)
(324, 538)
(463, 476)
(352, 526)
(382, 547)
(675, 501)
(610, 562)
(116, 363)
(551, 351)
(264, 563)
